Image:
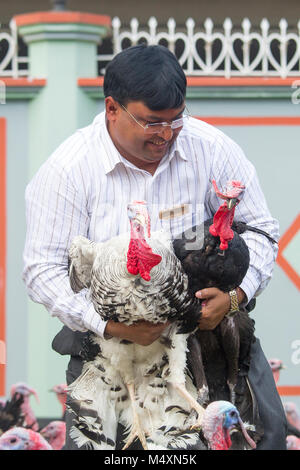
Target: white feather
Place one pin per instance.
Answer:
(113, 290)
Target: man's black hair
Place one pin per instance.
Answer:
(150, 74)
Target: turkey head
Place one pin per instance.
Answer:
(140, 257)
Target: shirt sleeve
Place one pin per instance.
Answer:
(56, 211)
(230, 163)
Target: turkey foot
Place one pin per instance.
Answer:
(136, 431)
(193, 403)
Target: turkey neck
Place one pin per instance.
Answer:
(222, 223)
(140, 257)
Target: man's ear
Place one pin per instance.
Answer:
(112, 108)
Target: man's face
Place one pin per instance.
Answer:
(129, 137)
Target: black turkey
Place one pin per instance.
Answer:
(11, 414)
(214, 255)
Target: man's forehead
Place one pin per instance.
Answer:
(139, 108)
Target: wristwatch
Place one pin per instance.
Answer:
(234, 303)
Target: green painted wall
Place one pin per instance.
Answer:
(16, 115)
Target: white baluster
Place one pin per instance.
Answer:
(14, 62)
(134, 24)
(228, 46)
(190, 25)
(208, 25)
(264, 25)
(152, 23)
(298, 44)
(246, 26)
(171, 34)
(283, 46)
(116, 25)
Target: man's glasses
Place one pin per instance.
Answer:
(158, 127)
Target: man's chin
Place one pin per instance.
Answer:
(155, 152)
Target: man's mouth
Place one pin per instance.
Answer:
(158, 144)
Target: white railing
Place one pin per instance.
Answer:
(208, 51)
(9, 64)
(218, 53)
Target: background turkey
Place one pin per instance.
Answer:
(19, 438)
(11, 413)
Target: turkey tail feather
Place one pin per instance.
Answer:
(241, 227)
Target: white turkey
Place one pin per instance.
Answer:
(118, 373)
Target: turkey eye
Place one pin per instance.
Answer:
(232, 414)
(13, 440)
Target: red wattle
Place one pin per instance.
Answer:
(140, 257)
(221, 226)
(221, 439)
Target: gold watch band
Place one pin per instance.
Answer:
(234, 303)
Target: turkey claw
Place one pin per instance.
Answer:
(197, 425)
(136, 433)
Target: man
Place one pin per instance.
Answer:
(143, 147)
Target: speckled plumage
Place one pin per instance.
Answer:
(99, 397)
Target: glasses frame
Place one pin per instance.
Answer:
(148, 127)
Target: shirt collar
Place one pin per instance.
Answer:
(177, 148)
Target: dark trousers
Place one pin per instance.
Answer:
(269, 403)
(260, 377)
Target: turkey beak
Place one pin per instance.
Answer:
(144, 221)
(35, 394)
(232, 203)
(140, 219)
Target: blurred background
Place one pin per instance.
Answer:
(242, 64)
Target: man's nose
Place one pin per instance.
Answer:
(166, 133)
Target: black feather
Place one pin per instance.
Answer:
(11, 414)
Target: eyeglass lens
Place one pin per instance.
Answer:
(159, 127)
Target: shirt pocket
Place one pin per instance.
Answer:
(178, 224)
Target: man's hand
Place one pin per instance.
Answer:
(215, 305)
(141, 332)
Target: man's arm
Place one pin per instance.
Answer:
(56, 212)
(141, 332)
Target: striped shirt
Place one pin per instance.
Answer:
(85, 186)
